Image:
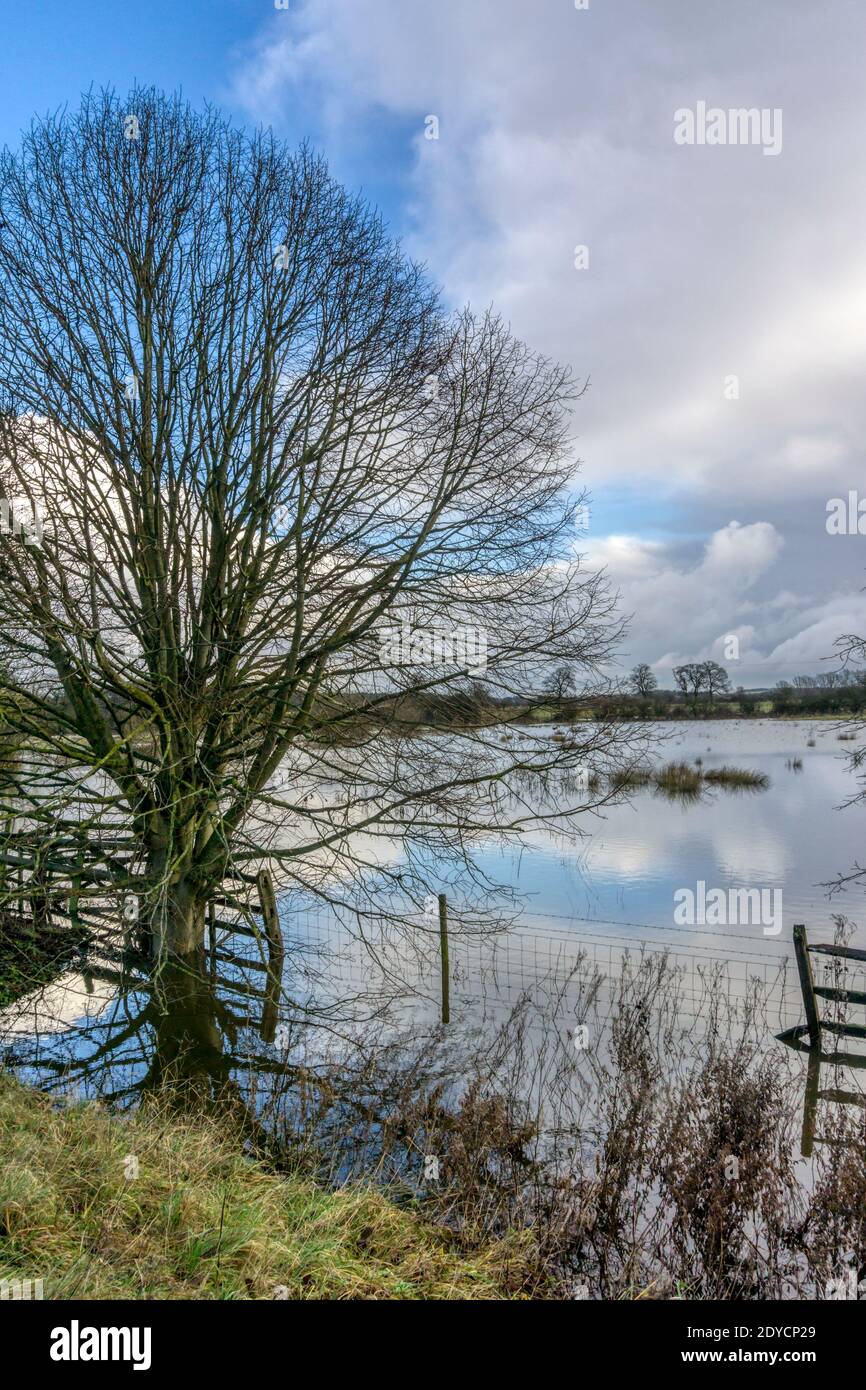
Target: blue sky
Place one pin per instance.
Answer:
(53, 50)
(556, 129)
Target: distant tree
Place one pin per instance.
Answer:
(690, 678)
(560, 683)
(642, 681)
(716, 680)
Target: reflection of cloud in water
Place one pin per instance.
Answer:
(56, 1007)
(750, 860)
(791, 835)
(631, 858)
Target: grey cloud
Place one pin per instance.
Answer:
(557, 130)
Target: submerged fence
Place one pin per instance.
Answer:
(554, 956)
(435, 964)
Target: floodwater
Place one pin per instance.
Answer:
(790, 838)
(336, 1052)
(587, 906)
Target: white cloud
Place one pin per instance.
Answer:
(686, 611)
(556, 129)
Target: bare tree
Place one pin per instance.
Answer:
(642, 681)
(716, 680)
(690, 678)
(285, 501)
(561, 683)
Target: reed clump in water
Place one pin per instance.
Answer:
(737, 777)
(679, 779)
(626, 778)
(687, 780)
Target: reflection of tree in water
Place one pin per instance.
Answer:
(170, 1025)
(221, 1029)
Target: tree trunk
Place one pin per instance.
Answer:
(189, 1053)
(182, 923)
(175, 923)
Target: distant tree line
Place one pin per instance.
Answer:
(693, 678)
(827, 680)
(701, 688)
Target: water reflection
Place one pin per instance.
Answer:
(844, 1091)
(346, 1016)
(160, 1025)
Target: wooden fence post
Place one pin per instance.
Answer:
(212, 939)
(807, 984)
(443, 957)
(76, 888)
(268, 900)
(276, 952)
(810, 1103)
(40, 900)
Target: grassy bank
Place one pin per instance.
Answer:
(201, 1221)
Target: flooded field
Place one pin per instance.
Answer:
(576, 907)
(595, 986)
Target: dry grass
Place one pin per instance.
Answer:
(202, 1221)
(680, 779)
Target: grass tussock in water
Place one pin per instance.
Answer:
(679, 779)
(687, 780)
(628, 778)
(737, 777)
(202, 1221)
